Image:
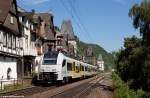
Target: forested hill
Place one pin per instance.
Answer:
(107, 57)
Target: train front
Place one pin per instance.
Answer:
(49, 68)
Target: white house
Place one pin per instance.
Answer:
(100, 63)
(29, 39)
(10, 42)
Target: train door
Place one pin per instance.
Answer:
(64, 68)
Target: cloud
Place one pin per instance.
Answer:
(122, 2)
(33, 2)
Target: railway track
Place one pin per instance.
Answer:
(27, 91)
(79, 95)
(77, 91)
(54, 91)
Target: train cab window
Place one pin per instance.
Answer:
(50, 61)
(69, 66)
(64, 63)
(51, 55)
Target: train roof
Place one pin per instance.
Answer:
(55, 55)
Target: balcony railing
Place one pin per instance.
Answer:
(11, 51)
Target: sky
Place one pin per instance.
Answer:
(102, 22)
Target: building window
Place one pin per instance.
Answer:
(20, 43)
(11, 19)
(13, 42)
(9, 40)
(5, 39)
(1, 36)
(17, 42)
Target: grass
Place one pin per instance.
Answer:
(12, 87)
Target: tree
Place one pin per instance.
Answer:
(133, 61)
(128, 60)
(141, 19)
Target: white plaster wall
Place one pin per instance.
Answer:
(28, 46)
(6, 63)
(101, 65)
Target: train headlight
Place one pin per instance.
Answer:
(53, 69)
(42, 70)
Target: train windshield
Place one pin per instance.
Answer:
(51, 55)
(50, 58)
(50, 61)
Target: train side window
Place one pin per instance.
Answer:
(74, 66)
(69, 66)
(77, 69)
(85, 68)
(64, 63)
(82, 68)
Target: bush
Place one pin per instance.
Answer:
(122, 90)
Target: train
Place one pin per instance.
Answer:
(60, 68)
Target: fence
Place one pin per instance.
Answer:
(12, 82)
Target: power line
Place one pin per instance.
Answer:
(79, 19)
(71, 13)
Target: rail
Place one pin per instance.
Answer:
(86, 89)
(79, 94)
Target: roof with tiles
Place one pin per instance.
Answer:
(5, 6)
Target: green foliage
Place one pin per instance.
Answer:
(129, 60)
(141, 19)
(133, 61)
(107, 57)
(122, 90)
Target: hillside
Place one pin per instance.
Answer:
(107, 57)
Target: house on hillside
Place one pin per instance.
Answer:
(100, 63)
(11, 49)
